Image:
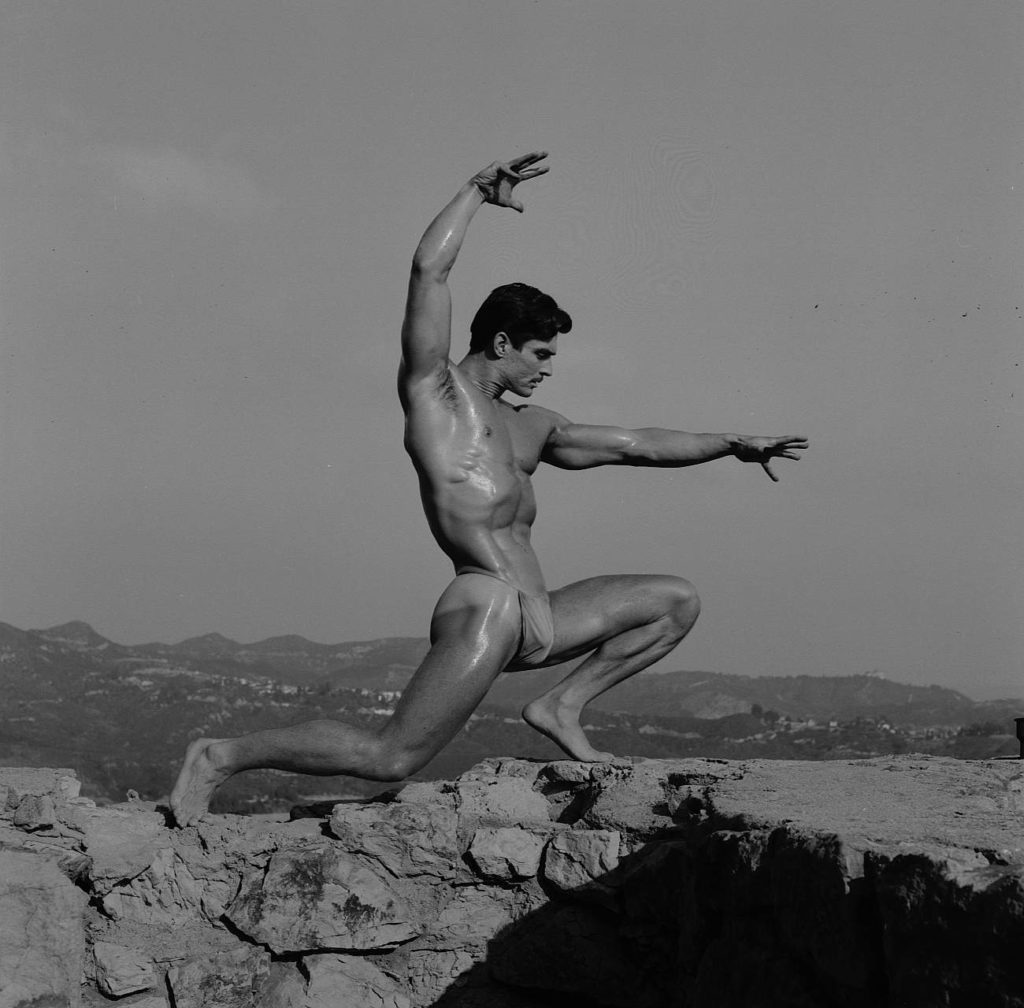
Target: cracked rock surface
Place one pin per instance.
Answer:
(894, 882)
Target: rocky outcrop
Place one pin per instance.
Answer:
(884, 883)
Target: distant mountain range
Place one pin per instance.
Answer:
(288, 659)
(122, 714)
(387, 664)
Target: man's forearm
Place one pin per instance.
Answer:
(440, 244)
(657, 447)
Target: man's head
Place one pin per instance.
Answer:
(521, 312)
(517, 328)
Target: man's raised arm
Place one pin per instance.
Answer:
(426, 331)
(582, 446)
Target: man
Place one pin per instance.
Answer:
(474, 454)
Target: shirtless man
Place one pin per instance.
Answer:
(474, 454)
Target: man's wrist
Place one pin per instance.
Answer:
(732, 442)
(473, 190)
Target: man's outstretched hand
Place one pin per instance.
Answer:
(496, 182)
(763, 449)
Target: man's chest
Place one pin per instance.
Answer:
(523, 435)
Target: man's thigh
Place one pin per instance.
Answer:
(474, 633)
(587, 613)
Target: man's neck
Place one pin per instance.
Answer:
(481, 372)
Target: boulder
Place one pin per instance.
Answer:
(121, 841)
(18, 782)
(456, 947)
(487, 799)
(404, 838)
(953, 922)
(339, 980)
(315, 897)
(230, 979)
(285, 987)
(121, 971)
(42, 936)
(35, 812)
(576, 861)
(506, 853)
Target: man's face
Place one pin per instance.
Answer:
(528, 366)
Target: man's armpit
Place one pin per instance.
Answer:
(439, 386)
(444, 387)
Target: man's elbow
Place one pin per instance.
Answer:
(428, 269)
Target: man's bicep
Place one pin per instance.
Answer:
(582, 446)
(426, 330)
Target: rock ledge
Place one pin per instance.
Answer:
(650, 884)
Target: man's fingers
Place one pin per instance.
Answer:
(528, 159)
(519, 174)
(771, 475)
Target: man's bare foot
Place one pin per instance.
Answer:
(562, 726)
(197, 780)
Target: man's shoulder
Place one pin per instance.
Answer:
(538, 419)
(535, 414)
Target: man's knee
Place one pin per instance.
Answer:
(682, 603)
(396, 763)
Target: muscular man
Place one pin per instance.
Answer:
(474, 454)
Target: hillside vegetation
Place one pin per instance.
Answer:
(121, 715)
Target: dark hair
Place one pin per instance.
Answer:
(521, 311)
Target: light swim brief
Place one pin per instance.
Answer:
(537, 625)
(538, 630)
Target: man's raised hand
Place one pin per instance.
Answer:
(496, 182)
(763, 449)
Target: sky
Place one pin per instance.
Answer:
(801, 217)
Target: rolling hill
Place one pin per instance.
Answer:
(123, 714)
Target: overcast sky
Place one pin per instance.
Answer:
(797, 217)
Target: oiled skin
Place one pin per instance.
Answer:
(474, 455)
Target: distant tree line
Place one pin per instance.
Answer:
(979, 728)
(769, 717)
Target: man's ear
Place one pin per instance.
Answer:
(501, 343)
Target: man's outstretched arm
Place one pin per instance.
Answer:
(582, 446)
(426, 331)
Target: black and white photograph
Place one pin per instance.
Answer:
(511, 505)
